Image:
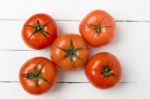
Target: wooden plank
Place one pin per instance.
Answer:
(131, 46)
(80, 91)
(129, 35)
(75, 10)
(134, 65)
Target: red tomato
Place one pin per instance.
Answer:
(97, 28)
(39, 31)
(37, 75)
(103, 70)
(69, 52)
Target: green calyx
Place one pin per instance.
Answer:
(39, 28)
(36, 74)
(99, 28)
(71, 52)
(107, 71)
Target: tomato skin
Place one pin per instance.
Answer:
(78, 56)
(45, 34)
(48, 73)
(95, 70)
(97, 28)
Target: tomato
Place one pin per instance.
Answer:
(97, 28)
(103, 70)
(69, 52)
(39, 31)
(37, 75)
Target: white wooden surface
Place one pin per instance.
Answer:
(131, 46)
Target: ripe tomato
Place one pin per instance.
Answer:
(69, 52)
(37, 75)
(97, 28)
(103, 70)
(39, 31)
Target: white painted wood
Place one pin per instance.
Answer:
(75, 9)
(134, 65)
(131, 46)
(79, 91)
(129, 35)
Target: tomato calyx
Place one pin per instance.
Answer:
(99, 28)
(39, 28)
(36, 74)
(107, 71)
(71, 52)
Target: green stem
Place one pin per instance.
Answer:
(39, 28)
(99, 28)
(71, 52)
(36, 74)
(107, 71)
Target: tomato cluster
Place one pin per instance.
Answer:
(69, 52)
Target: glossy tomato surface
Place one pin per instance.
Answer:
(39, 31)
(69, 52)
(97, 28)
(37, 75)
(103, 70)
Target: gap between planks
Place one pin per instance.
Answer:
(145, 21)
(61, 82)
(27, 50)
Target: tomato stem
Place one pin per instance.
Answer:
(39, 28)
(99, 28)
(107, 71)
(36, 74)
(71, 52)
